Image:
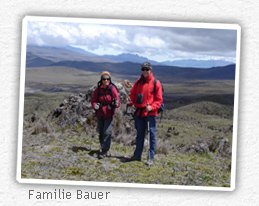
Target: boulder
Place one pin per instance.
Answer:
(75, 112)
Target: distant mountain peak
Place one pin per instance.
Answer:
(197, 63)
(71, 53)
(128, 57)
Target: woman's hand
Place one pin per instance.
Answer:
(97, 106)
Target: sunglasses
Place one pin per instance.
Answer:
(145, 69)
(108, 79)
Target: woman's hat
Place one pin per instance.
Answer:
(105, 74)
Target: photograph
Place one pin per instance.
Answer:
(128, 103)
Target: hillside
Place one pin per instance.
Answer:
(194, 146)
(165, 73)
(71, 53)
(124, 65)
(209, 108)
(56, 54)
(194, 137)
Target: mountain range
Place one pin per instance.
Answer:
(124, 64)
(76, 54)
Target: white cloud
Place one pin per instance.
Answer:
(52, 33)
(145, 41)
(153, 42)
(99, 32)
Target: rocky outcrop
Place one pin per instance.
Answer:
(218, 145)
(76, 112)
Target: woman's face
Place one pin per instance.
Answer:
(106, 80)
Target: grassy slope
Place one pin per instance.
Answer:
(56, 160)
(49, 152)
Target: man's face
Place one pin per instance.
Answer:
(146, 71)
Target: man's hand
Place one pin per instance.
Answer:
(148, 108)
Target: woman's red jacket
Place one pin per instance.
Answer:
(105, 97)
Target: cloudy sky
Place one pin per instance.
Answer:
(154, 42)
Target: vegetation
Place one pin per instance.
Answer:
(193, 144)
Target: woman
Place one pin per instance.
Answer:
(105, 100)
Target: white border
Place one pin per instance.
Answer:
(135, 23)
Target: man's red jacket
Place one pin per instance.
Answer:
(145, 87)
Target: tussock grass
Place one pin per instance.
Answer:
(69, 153)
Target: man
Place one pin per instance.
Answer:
(147, 102)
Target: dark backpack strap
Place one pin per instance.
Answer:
(154, 90)
(98, 90)
(155, 85)
(110, 89)
(161, 109)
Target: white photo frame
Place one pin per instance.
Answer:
(41, 22)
